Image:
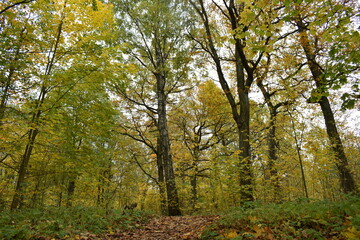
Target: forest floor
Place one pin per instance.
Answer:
(301, 219)
(163, 228)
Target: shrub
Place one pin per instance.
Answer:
(302, 219)
(59, 223)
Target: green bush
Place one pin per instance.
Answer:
(59, 223)
(302, 219)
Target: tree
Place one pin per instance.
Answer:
(247, 33)
(33, 132)
(154, 43)
(272, 172)
(324, 32)
(198, 125)
(61, 40)
(282, 82)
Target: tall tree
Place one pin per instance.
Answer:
(324, 34)
(61, 40)
(154, 41)
(36, 114)
(245, 31)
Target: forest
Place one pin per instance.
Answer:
(241, 112)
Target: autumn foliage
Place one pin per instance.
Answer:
(180, 108)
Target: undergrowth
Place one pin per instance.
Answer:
(66, 223)
(302, 219)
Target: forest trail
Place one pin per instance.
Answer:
(168, 228)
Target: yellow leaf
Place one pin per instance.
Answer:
(231, 233)
(237, 152)
(259, 230)
(110, 230)
(252, 218)
(352, 233)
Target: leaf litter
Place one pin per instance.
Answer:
(163, 228)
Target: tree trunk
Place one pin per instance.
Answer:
(19, 190)
(243, 117)
(70, 192)
(272, 158)
(246, 176)
(104, 194)
(164, 152)
(272, 146)
(38, 193)
(33, 132)
(59, 201)
(163, 140)
(18, 197)
(100, 197)
(272, 173)
(196, 159)
(242, 120)
(298, 151)
(193, 183)
(161, 180)
(346, 179)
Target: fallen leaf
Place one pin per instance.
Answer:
(231, 233)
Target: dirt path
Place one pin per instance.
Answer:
(168, 228)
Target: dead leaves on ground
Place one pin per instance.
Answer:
(165, 228)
